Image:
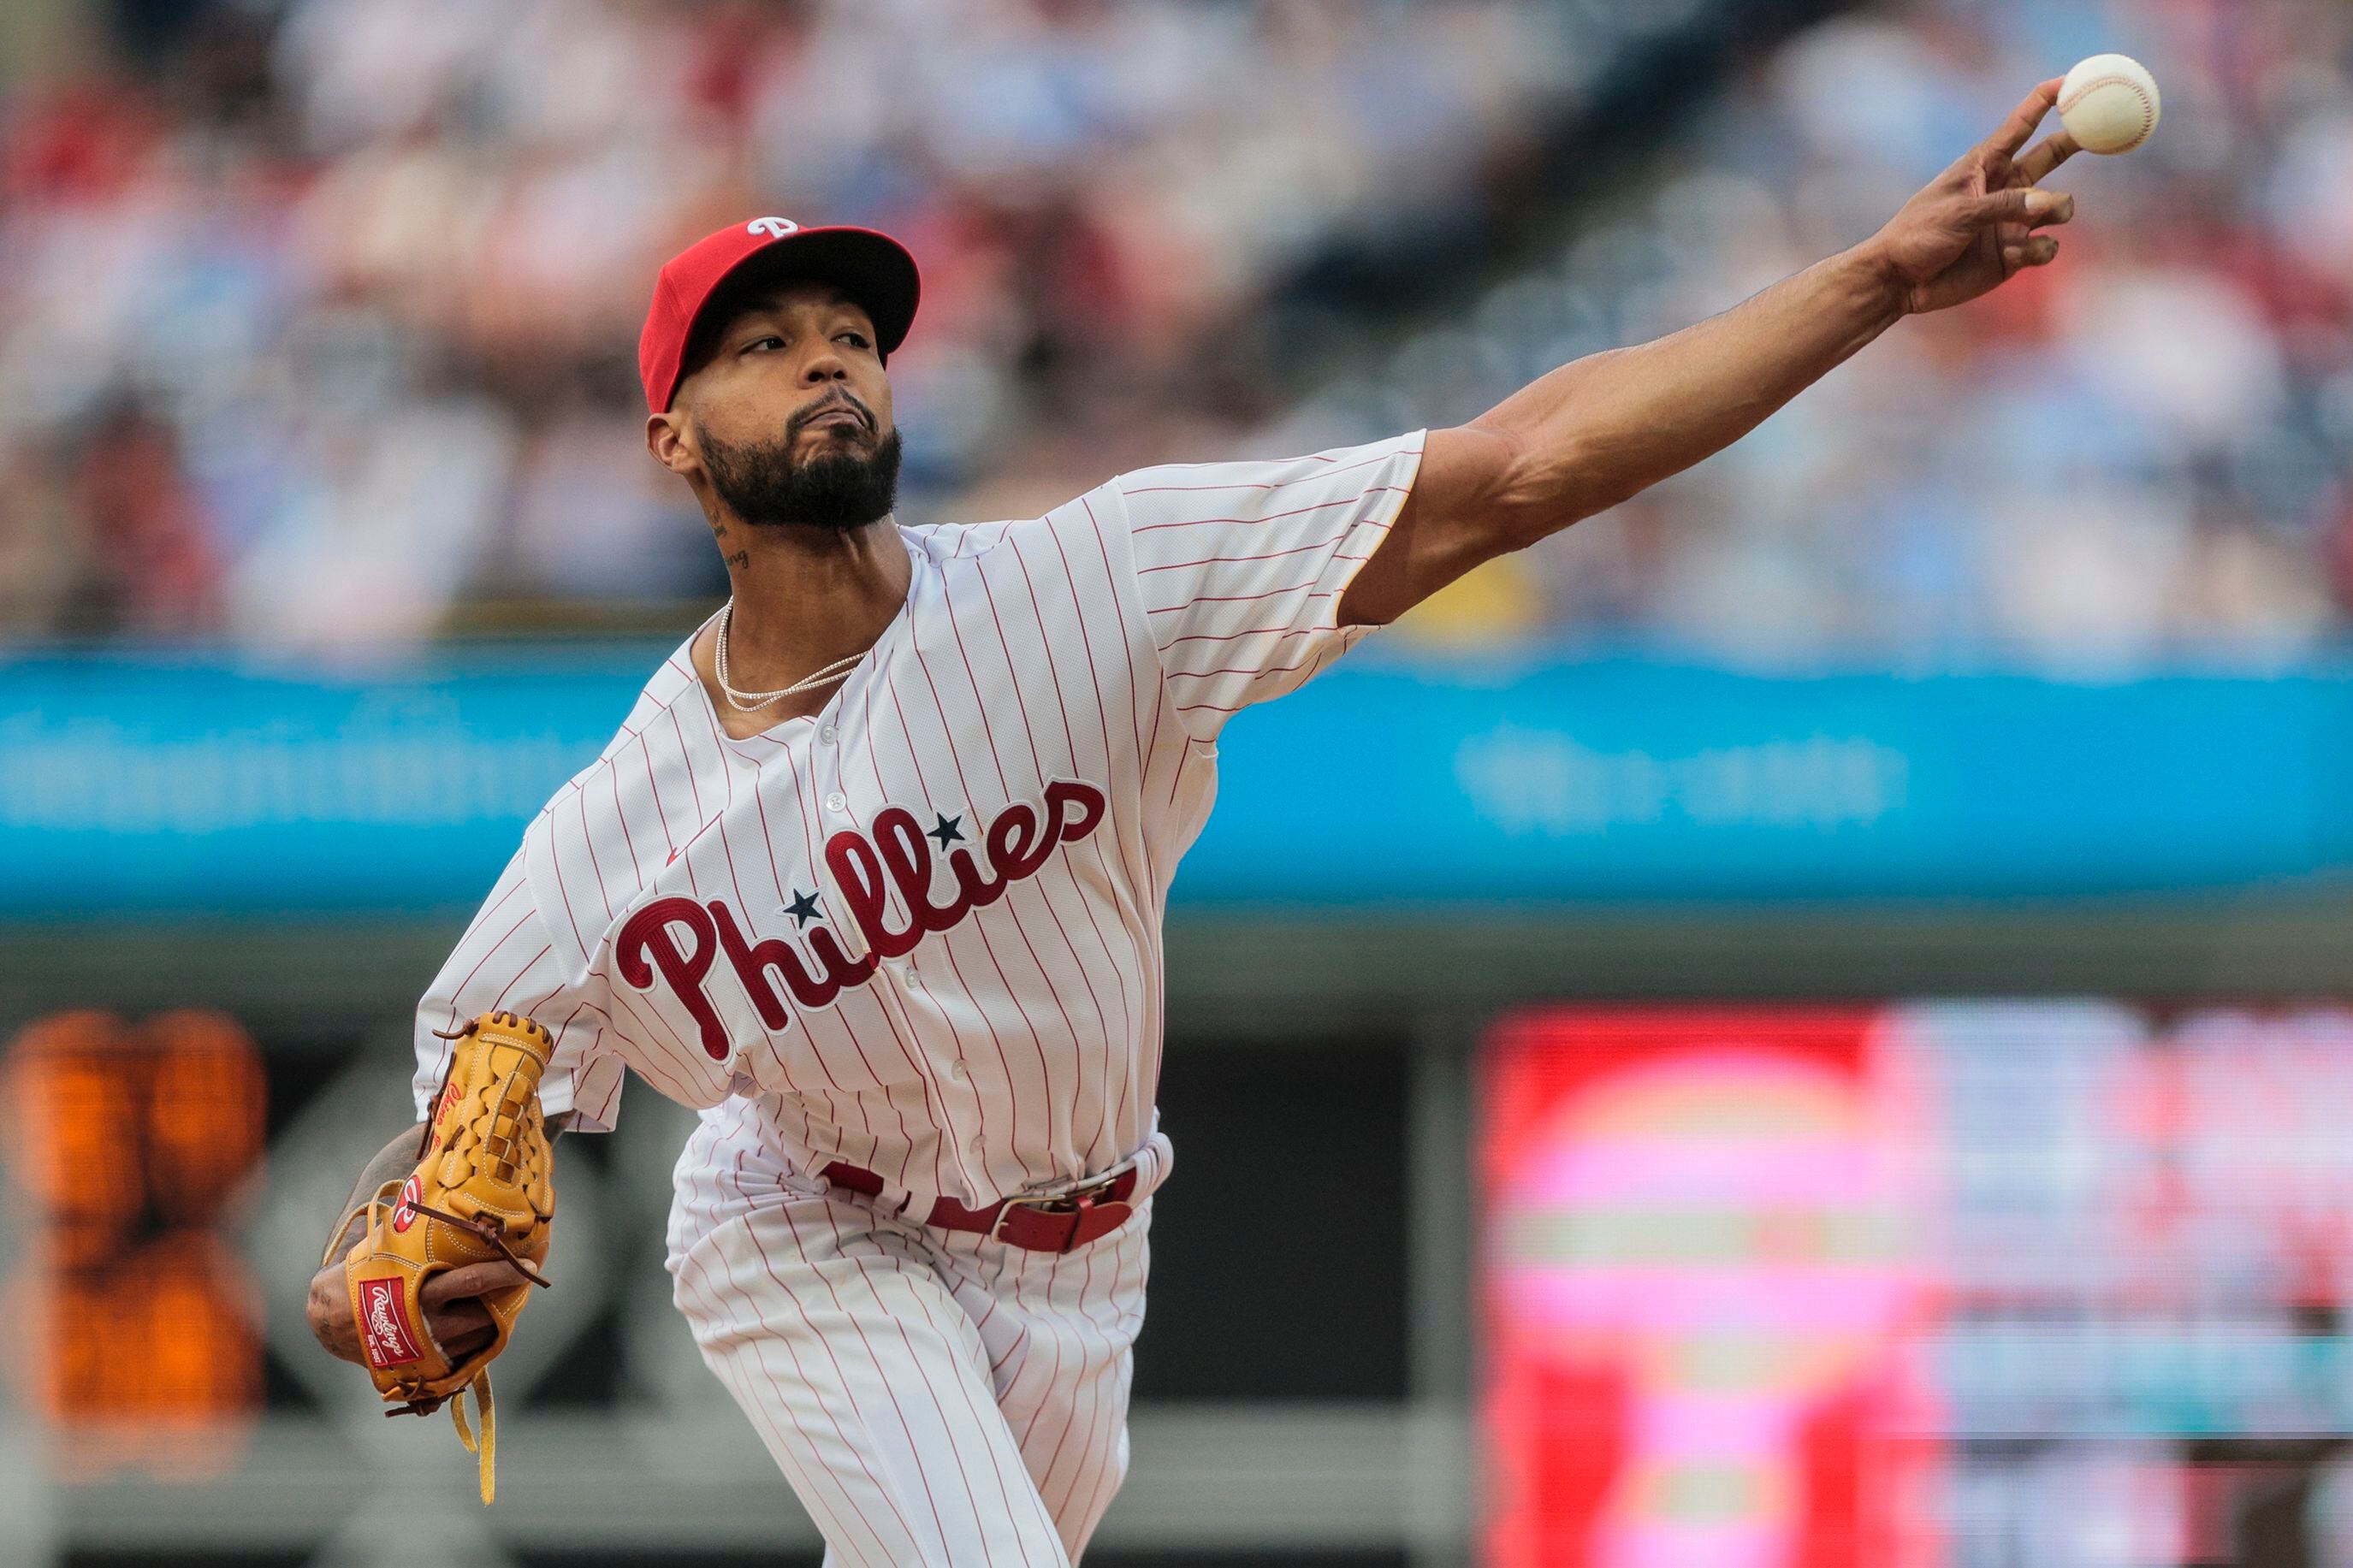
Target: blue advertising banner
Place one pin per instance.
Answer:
(137, 784)
(1626, 780)
(146, 785)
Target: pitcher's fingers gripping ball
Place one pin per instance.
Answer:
(481, 1199)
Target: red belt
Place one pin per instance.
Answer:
(1059, 1223)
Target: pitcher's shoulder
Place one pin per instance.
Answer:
(1090, 517)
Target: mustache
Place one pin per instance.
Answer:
(833, 402)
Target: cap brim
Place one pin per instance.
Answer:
(870, 267)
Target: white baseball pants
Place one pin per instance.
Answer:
(933, 1397)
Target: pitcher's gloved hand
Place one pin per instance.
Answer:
(447, 1257)
(459, 1323)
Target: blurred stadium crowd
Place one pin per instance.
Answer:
(318, 316)
(322, 318)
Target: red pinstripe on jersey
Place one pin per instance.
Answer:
(1017, 1042)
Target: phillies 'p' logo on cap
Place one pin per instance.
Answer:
(869, 265)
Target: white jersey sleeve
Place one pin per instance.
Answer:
(1240, 566)
(507, 960)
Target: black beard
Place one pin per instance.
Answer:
(836, 489)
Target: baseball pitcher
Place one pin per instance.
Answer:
(872, 875)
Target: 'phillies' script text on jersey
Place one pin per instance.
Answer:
(1018, 841)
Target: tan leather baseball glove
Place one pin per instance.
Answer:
(481, 1191)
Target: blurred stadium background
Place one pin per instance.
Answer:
(1805, 1022)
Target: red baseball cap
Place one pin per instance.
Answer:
(869, 265)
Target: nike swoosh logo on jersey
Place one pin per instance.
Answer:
(678, 849)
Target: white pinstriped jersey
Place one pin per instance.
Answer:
(922, 928)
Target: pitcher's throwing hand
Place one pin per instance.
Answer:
(1975, 227)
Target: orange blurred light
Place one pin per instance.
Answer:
(125, 1146)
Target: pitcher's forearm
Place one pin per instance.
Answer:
(1610, 426)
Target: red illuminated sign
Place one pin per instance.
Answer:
(1697, 1273)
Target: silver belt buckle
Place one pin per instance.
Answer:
(1072, 1200)
(997, 1225)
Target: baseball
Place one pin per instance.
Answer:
(2109, 103)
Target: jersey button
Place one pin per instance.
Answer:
(963, 1073)
(836, 800)
(827, 735)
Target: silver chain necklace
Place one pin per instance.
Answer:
(748, 701)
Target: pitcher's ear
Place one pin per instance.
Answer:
(667, 439)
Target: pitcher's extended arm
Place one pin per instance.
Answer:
(1597, 431)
